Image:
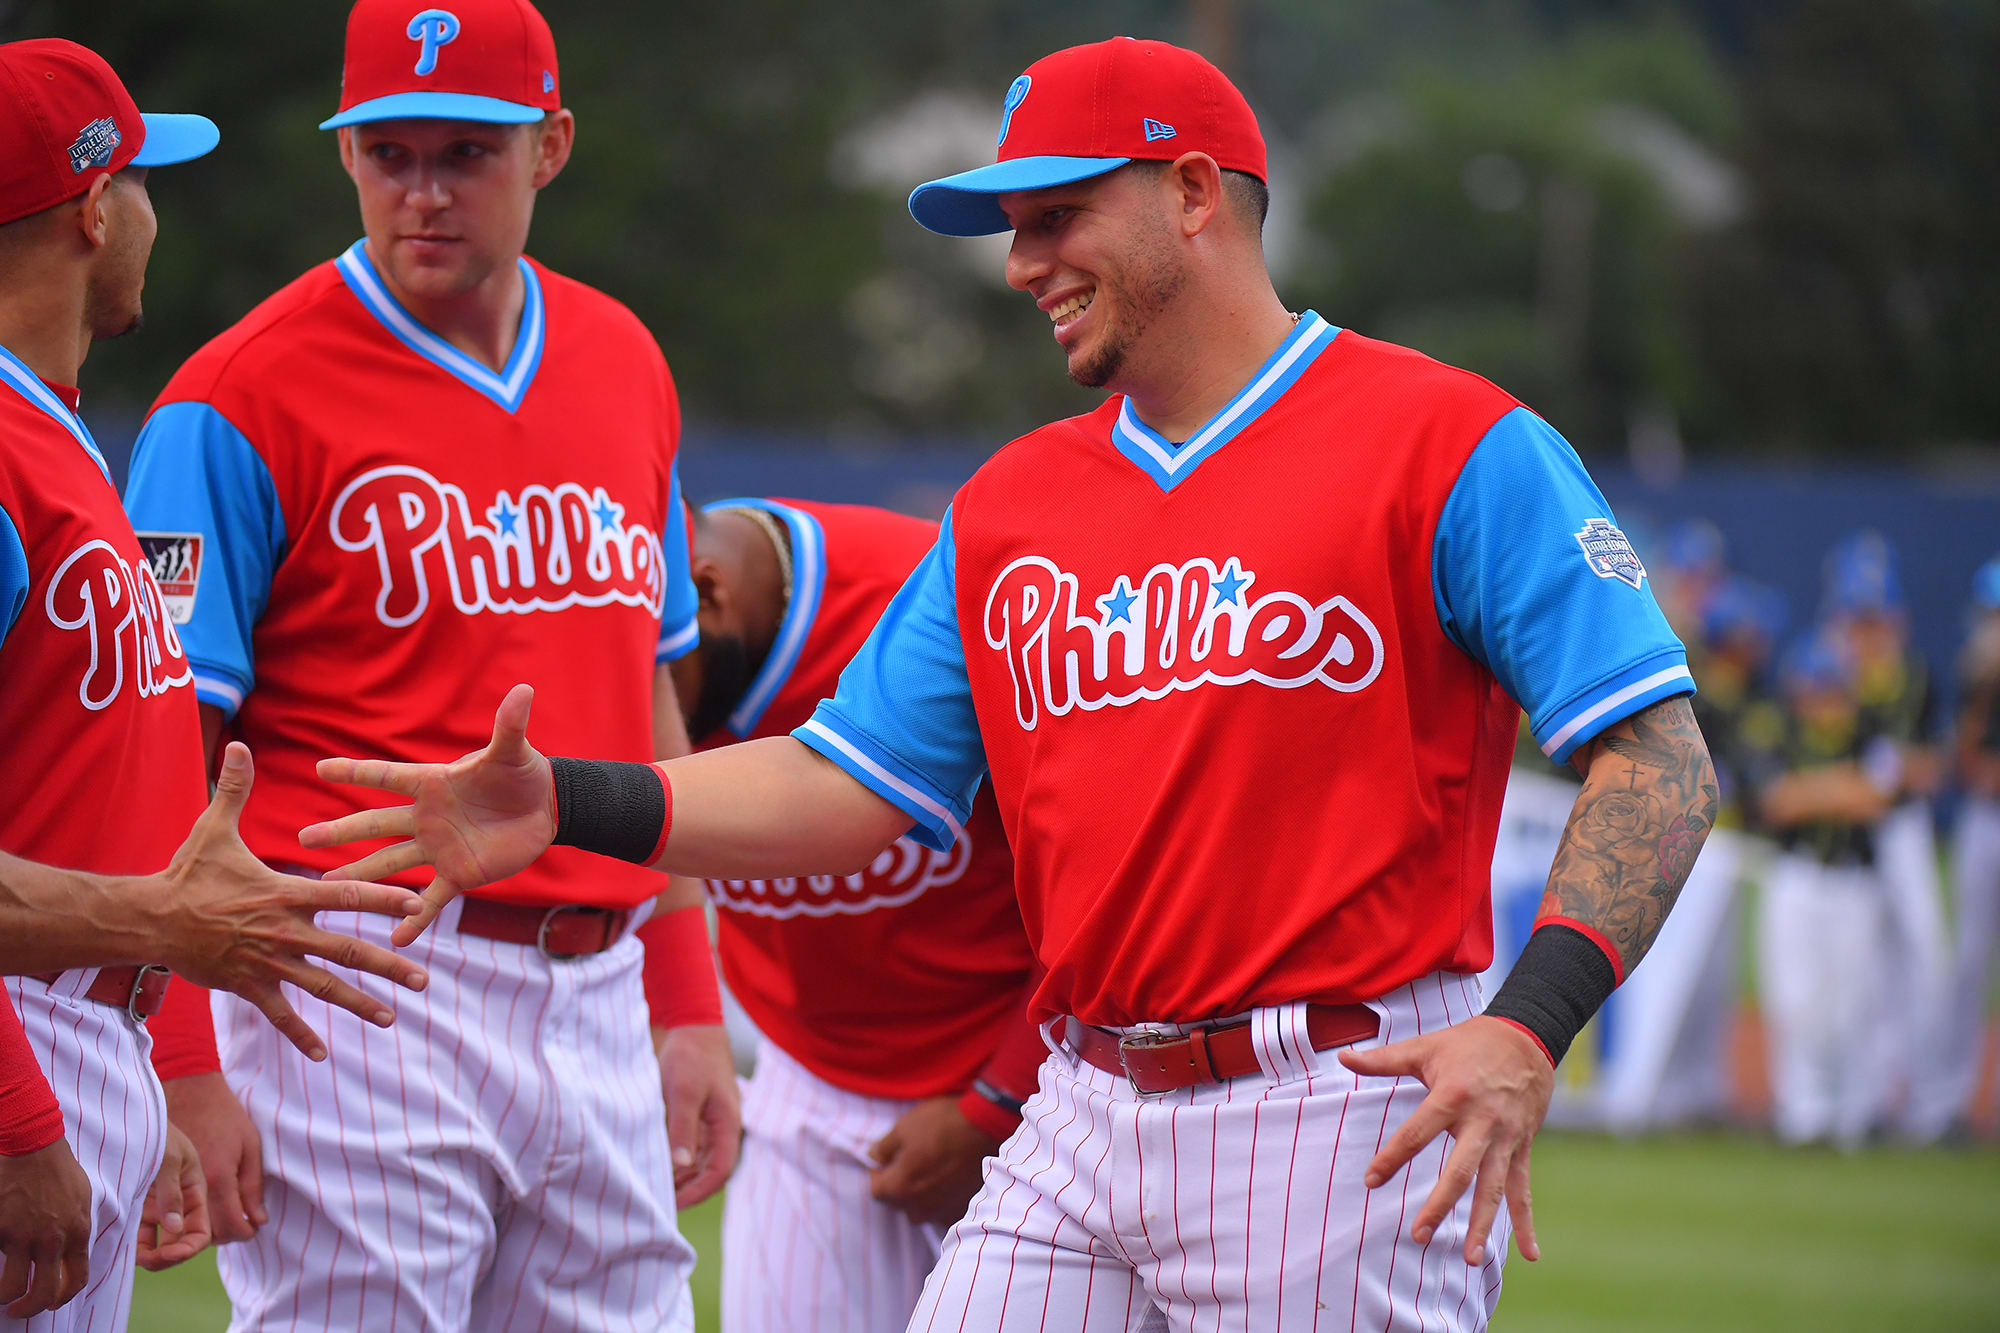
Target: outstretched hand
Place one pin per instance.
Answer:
(480, 818)
(1489, 1087)
(230, 922)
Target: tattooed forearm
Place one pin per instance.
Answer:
(1648, 801)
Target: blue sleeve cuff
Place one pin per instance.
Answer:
(217, 685)
(677, 642)
(940, 819)
(1660, 676)
(13, 574)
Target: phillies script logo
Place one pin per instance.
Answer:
(120, 611)
(901, 874)
(1179, 628)
(546, 550)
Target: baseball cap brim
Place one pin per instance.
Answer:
(436, 106)
(172, 138)
(968, 204)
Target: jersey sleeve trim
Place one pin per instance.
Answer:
(678, 644)
(940, 820)
(808, 588)
(224, 694)
(13, 574)
(1660, 676)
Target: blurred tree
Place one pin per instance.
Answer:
(1856, 303)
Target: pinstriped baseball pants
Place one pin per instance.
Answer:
(1230, 1209)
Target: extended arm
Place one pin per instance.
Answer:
(759, 810)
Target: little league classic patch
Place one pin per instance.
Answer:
(175, 559)
(93, 147)
(1610, 552)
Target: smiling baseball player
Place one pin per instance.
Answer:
(879, 1089)
(427, 467)
(1242, 652)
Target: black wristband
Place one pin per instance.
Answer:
(1559, 981)
(611, 808)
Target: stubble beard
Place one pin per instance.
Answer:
(1162, 279)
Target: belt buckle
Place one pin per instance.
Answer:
(138, 989)
(549, 918)
(1139, 1041)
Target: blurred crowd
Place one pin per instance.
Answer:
(1836, 741)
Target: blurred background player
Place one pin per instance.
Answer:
(1976, 849)
(102, 751)
(896, 1049)
(1824, 788)
(422, 471)
(1867, 621)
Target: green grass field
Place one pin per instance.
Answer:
(1688, 1233)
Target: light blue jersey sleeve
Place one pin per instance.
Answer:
(901, 721)
(195, 473)
(1533, 577)
(678, 631)
(13, 574)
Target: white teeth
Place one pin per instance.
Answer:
(1075, 305)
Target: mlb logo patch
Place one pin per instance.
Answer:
(1610, 552)
(175, 559)
(93, 147)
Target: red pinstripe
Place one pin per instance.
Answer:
(1361, 1242)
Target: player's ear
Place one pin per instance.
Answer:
(555, 136)
(93, 212)
(711, 592)
(1197, 180)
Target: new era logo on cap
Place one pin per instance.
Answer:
(1094, 108)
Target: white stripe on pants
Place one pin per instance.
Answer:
(804, 1245)
(496, 1161)
(115, 1119)
(1239, 1207)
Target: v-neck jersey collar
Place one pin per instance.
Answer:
(1171, 464)
(508, 386)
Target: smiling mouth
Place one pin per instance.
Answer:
(1069, 310)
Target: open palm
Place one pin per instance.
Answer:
(480, 818)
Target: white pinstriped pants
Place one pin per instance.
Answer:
(1231, 1209)
(115, 1119)
(804, 1244)
(496, 1162)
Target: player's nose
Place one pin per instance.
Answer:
(1027, 262)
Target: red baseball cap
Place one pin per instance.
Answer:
(485, 60)
(1091, 109)
(69, 120)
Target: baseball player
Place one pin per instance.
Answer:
(1976, 841)
(425, 466)
(1822, 914)
(879, 1090)
(1240, 652)
(103, 766)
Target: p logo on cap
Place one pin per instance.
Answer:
(434, 28)
(1017, 93)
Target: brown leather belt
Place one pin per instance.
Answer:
(569, 930)
(1158, 1062)
(137, 990)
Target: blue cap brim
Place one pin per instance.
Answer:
(436, 106)
(968, 204)
(175, 138)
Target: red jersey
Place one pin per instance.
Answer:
(1248, 701)
(103, 745)
(946, 957)
(381, 536)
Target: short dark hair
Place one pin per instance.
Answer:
(1250, 197)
